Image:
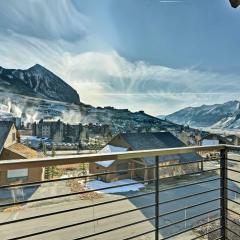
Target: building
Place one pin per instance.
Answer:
(59, 131)
(233, 139)
(72, 133)
(10, 149)
(213, 139)
(144, 166)
(49, 129)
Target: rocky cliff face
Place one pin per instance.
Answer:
(37, 81)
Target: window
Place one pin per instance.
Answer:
(13, 137)
(17, 174)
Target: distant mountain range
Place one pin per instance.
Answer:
(226, 115)
(37, 93)
(39, 82)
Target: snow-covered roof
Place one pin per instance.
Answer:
(209, 142)
(110, 149)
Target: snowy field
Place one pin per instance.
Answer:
(100, 184)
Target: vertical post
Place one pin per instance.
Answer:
(223, 179)
(157, 198)
(202, 165)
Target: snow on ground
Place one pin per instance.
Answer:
(100, 184)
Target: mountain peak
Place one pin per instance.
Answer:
(37, 81)
(225, 115)
(38, 67)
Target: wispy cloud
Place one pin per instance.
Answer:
(44, 19)
(112, 78)
(58, 37)
(109, 79)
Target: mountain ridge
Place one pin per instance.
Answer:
(37, 81)
(26, 98)
(226, 115)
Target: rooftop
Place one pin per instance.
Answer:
(5, 127)
(24, 151)
(156, 140)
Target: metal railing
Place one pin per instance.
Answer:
(193, 203)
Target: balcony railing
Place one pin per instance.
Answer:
(192, 204)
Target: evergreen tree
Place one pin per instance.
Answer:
(53, 151)
(44, 149)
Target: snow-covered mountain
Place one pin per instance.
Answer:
(30, 109)
(37, 93)
(39, 82)
(163, 117)
(226, 115)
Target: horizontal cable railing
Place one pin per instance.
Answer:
(186, 198)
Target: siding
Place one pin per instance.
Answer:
(34, 174)
(9, 140)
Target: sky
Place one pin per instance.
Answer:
(153, 55)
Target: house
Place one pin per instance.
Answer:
(144, 166)
(213, 139)
(233, 139)
(10, 148)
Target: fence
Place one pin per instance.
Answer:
(199, 204)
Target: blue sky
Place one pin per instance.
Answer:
(155, 55)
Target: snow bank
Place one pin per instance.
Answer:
(99, 184)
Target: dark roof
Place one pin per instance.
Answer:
(5, 127)
(158, 140)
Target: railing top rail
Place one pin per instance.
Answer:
(88, 158)
(233, 147)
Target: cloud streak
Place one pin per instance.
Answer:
(58, 37)
(43, 19)
(137, 83)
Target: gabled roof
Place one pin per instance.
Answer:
(147, 141)
(24, 151)
(158, 140)
(110, 149)
(5, 127)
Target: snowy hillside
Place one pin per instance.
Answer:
(226, 115)
(37, 93)
(31, 109)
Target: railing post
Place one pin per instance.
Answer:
(157, 198)
(223, 179)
